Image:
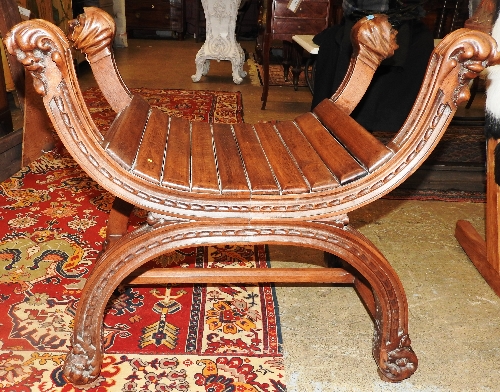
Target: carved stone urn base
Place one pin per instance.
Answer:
(220, 43)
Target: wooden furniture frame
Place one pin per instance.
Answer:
(292, 182)
(305, 42)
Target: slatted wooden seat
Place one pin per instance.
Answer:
(291, 157)
(290, 182)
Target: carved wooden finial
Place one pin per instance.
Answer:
(43, 50)
(472, 52)
(92, 32)
(373, 39)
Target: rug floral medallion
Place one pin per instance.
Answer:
(157, 338)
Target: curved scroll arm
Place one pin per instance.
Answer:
(460, 57)
(92, 33)
(373, 39)
(32, 46)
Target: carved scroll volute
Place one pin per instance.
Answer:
(470, 52)
(92, 32)
(43, 50)
(374, 39)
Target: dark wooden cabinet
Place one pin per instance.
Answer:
(195, 19)
(310, 18)
(278, 22)
(155, 15)
(5, 115)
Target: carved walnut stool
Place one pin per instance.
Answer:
(293, 182)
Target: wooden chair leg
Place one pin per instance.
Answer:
(485, 254)
(287, 61)
(117, 222)
(266, 47)
(391, 347)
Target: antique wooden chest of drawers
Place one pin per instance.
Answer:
(278, 22)
(155, 15)
(311, 17)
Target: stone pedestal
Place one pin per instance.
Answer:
(220, 43)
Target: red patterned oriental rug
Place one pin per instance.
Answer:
(159, 338)
(276, 75)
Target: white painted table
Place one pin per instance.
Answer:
(306, 42)
(220, 43)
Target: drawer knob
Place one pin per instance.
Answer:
(152, 6)
(137, 15)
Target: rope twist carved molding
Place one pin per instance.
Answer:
(325, 203)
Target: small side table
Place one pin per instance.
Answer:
(307, 44)
(220, 43)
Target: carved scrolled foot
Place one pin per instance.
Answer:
(195, 78)
(400, 363)
(237, 79)
(80, 369)
(238, 73)
(202, 68)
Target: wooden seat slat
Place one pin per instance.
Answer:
(343, 166)
(285, 169)
(123, 140)
(176, 172)
(261, 177)
(365, 147)
(311, 165)
(149, 162)
(203, 167)
(232, 175)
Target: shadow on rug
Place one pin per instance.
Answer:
(276, 75)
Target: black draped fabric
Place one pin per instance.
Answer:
(395, 84)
